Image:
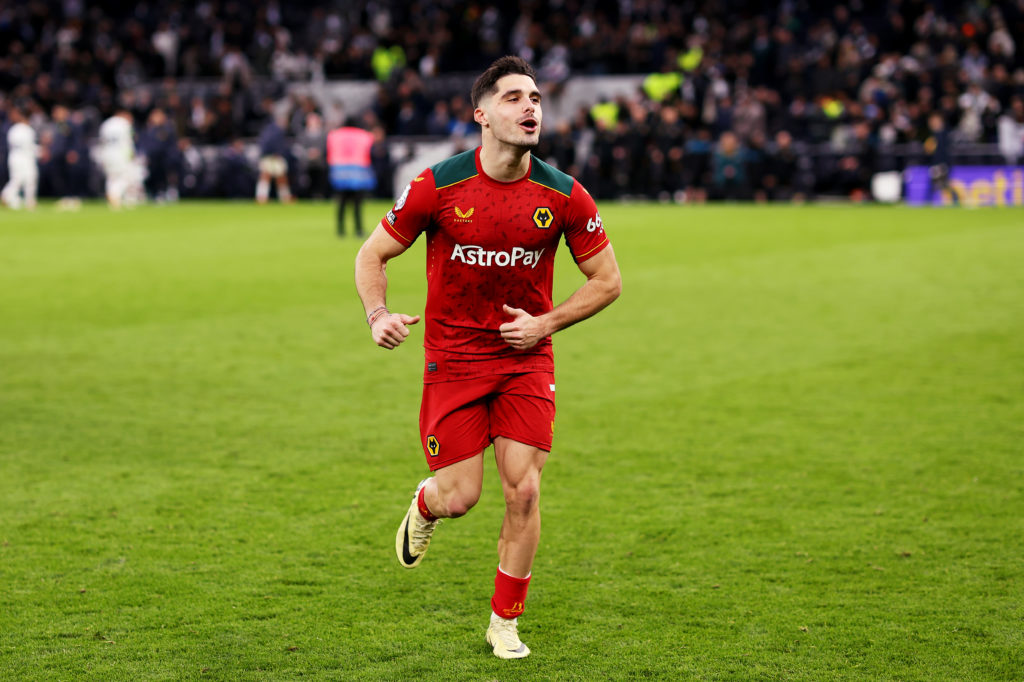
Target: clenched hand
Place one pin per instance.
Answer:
(391, 329)
(523, 332)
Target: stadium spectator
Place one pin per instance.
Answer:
(979, 110)
(380, 160)
(69, 154)
(461, 124)
(749, 116)
(668, 136)
(1011, 132)
(852, 176)
(311, 142)
(729, 170)
(756, 154)
(698, 167)
(158, 145)
(799, 67)
(233, 176)
(192, 173)
(165, 43)
(938, 146)
(559, 148)
(440, 120)
(782, 174)
(235, 68)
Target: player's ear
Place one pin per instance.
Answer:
(480, 116)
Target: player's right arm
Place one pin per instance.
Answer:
(410, 215)
(388, 329)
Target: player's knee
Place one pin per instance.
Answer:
(459, 502)
(459, 505)
(457, 508)
(524, 496)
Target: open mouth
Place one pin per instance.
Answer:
(529, 125)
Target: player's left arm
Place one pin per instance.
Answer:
(603, 285)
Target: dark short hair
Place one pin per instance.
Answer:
(487, 83)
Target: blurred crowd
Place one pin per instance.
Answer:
(739, 100)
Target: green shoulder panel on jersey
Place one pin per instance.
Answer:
(548, 176)
(454, 170)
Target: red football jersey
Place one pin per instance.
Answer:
(490, 243)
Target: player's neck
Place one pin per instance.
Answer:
(503, 162)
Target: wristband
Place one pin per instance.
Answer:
(376, 314)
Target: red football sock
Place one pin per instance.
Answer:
(421, 503)
(509, 594)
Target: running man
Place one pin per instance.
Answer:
(22, 164)
(493, 218)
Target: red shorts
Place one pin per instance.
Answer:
(459, 419)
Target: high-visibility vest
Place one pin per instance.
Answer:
(348, 156)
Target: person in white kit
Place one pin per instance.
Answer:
(117, 157)
(22, 164)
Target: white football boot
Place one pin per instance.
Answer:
(414, 534)
(503, 635)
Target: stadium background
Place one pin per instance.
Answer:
(791, 451)
(666, 100)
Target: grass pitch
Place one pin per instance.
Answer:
(793, 449)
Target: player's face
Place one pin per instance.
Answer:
(513, 113)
